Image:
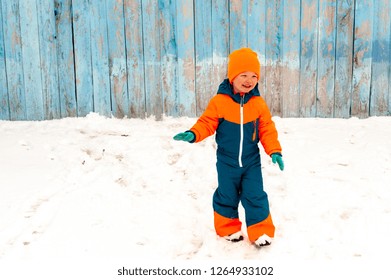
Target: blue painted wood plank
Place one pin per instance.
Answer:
(100, 58)
(4, 104)
(117, 57)
(256, 36)
(343, 59)
(135, 58)
(31, 61)
(13, 59)
(308, 58)
(66, 66)
(362, 58)
(168, 50)
(152, 59)
(186, 69)
(326, 59)
(380, 83)
(274, 27)
(203, 54)
(290, 68)
(238, 24)
(83, 64)
(220, 42)
(48, 54)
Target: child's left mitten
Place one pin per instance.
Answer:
(277, 158)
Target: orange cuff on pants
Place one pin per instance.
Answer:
(226, 226)
(261, 228)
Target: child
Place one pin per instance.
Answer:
(240, 118)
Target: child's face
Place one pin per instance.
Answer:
(245, 82)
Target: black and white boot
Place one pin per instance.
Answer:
(263, 240)
(235, 237)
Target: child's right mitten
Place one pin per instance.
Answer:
(187, 136)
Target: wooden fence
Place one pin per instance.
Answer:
(137, 58)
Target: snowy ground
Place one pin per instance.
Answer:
(105, 188)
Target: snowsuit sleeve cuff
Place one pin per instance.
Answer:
(194, 138)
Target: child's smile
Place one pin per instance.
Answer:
(248, 86)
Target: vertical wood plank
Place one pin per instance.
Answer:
(203, 54)
(308, 57)
(274, 32)
(48, 54)
(343, 57)
(238, 24)
(168, 50)
(256, 35)
(13, 59)
(186, 63)
(135, 58)
(65, 58)
(291, 60)
(31, 61)
(4, 104)
(380, 59)
(83, 67)
(362, 58)
(326, 59)
(152, 59)
(220, 43)
(100, 58)
(117, 57)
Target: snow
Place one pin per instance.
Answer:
(108, 190)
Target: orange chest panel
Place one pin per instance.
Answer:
(229, 110)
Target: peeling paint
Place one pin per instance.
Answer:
(329, 19)
(290, 90)
(236, 6)
(16, 40)
(309, 14)
(365, 30)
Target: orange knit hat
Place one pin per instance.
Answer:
(243, 60)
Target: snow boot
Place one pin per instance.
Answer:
(263, 240)
(235, 237)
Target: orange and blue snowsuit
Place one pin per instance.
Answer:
(240, 122)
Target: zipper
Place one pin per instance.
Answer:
(241, 131)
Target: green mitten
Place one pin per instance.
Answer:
(184, 136)
(277, 158)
